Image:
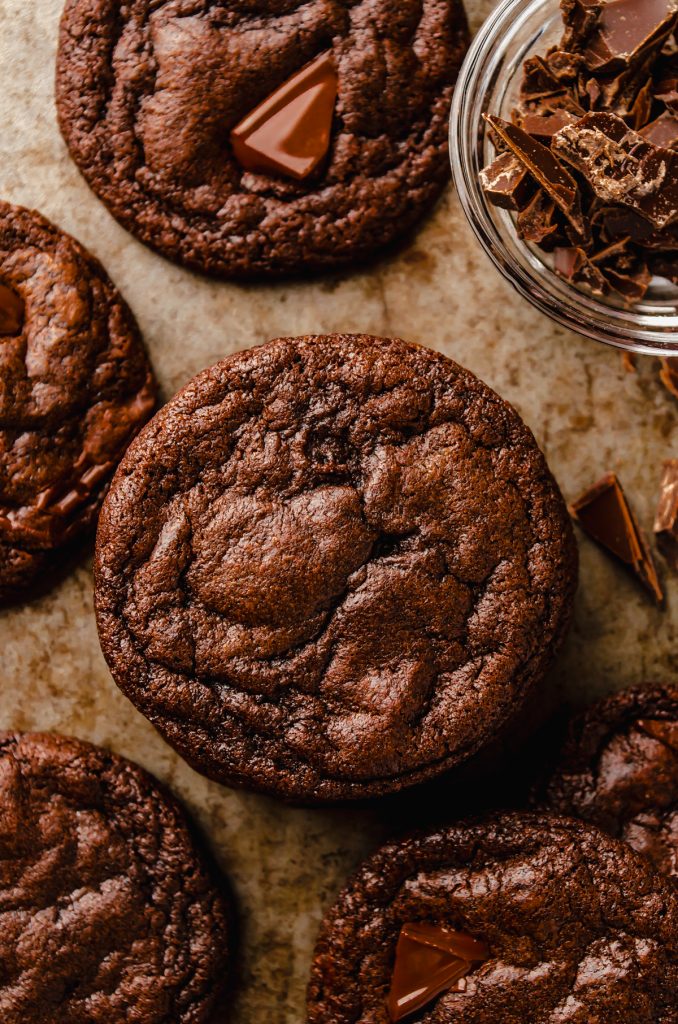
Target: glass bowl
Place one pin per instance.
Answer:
(488, 83)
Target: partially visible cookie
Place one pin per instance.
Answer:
(518, 919)
(619, 770)
(75, 387)
(257, 139)
(108, 910)
(331, 567)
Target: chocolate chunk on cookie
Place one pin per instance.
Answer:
(619, 770)
(108, 911)
(332, 566)
(257, 139)
(75, 387)
(522, 919)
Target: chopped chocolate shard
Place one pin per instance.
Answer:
(666, 83)
(544, 126)
(574, 265)
(580, 17)
(641, 109)
(507, 183)
(539, 80)
(604, 514)
(536, 222)
(621, 166)
(663, 131)
(542, 164)
(632, 288)
(565, 67)
(429, 960)
(626, 30)
(289, 133)
(11, 312)
(666, 521)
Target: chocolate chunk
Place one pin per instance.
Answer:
(574, 265)
(551, 175)
(564, 66)
(507, 183)
(663, 131)
(544, 126)
(604, 514)
(289, 133)
(632, 288)
(539, 80)
(626, 29)
(666, 520)
(641, 109)
(621, 166)
(536, 222)
(11, 312)
(580, 17)
(429, 960)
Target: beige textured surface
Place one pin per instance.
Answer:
(586, 412)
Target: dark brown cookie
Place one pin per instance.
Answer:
(149, 95)
(552, 921)
(75, 387)
(619, 770)
(332, 566)
(108, 911)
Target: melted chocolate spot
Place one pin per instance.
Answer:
(429, 960)
(289, 133)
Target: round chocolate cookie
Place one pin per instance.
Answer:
(519, 919)
(619, 770)
(75, 387)
(108, 911)
(259, 138)
(332, 566)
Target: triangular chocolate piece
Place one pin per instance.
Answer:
(289, 133)
(604, 514)
(11, 312)
(429, 960)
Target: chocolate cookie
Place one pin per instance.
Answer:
(108, 911)
(254, 139)
(332, 566)
(75, 387)
(619, 770)
(520, 919)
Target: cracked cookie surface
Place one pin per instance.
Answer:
(619, 770)
(75, 387)
(148, 92)
(332, 566)
(579, 927)
(108, 911)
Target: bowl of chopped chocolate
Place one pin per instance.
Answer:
(564, 148)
